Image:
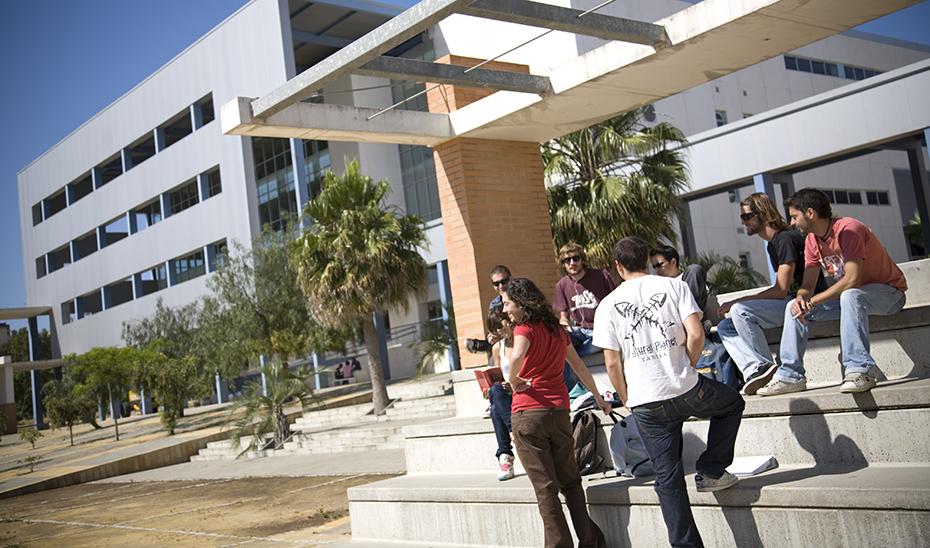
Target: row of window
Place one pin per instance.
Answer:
(151, 280)
(854, 197)
(274, 176)
(827, 68)
(176, 128)
(187, 194)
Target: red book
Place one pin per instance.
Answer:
(487, 377)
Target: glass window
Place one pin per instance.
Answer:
(114, 231)
(55, 203)
(855, 197)
(791, 63)
(110, 169)
(147, 215)
(214, 185)
(58, 258)
(80, 188)
(720, 117)
(152, 280)
(818, 68)
(804, 65)
(744, 260)
(183, 197)
(68, 313)
(118, 293)
(178, 128)
(841, 196)
(85, 245)
(871, 197)
(89, 303)
(189, 267)
(274, 181)
(849, 73)
(860, 74)
(832, 69)
(40, 267)
(883, 198)
(829, 194)
(316, 163)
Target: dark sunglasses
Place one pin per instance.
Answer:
(572, 259)
(747, 216)
(659, 265)
(500, 282)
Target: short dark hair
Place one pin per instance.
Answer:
(632, 253)
(811, 198)
(500, 269)
(666, 251)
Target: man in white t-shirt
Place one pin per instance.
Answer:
(651, 332)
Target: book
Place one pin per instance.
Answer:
(743, 467)
(487, 378)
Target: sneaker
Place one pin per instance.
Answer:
(782, 387)
(487, 413)
(760, 378)
(506, 462)
(857, 382)
(705, 484)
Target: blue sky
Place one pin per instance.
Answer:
(62, 61)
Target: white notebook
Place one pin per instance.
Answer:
(744, 467)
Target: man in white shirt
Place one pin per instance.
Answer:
(651, 332)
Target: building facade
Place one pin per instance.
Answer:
(142, 200)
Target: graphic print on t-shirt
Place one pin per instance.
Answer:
(646, 316)
(834, 266)
(585, 299)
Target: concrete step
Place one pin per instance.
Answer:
(819, 425)
(432, 401)
(840, 506)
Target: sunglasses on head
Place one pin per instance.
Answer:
(572, 259)
(497, 283)
(747, 216)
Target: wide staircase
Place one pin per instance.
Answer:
(854, 469)
(355, 427)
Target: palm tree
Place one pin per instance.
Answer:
(616, 178)
(725, 274)
(262, 408)
(358, 258)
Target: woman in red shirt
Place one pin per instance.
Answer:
(541, 427)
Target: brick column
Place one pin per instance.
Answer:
(494, 211)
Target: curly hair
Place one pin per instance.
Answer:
(527, 296)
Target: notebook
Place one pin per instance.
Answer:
(743, 467)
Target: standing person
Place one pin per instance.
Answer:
(500, 395)
(650, 330)
(577, 295)
(743, 332)
(541, 427)
(862, 279)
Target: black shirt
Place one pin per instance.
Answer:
(787, 247)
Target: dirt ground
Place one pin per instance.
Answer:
(238, 512)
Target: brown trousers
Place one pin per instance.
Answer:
(545, 447)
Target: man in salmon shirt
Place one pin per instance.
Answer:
(862, 280)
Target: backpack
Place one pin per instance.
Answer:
(585, 426)
(715, 363)
(627, 449)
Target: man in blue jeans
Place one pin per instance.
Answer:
(862, 279)
(651, 332)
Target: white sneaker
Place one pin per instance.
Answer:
(760, 378)
(857, 382)
(506, 463)
(709, 485)
(781, 387)
(487, 413)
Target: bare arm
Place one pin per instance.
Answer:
(496, 353)
(613, 359)
(695, 331)
(520, 345)
(805, 302)
(563, 318)
(581, 370)
(783, 277)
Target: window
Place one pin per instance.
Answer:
(141, 150)
(68, 313)
(80, 188)
(721, 117)
(418, 170)
(883, 198)
(189, 267)
(744, 260)
(274, 181)
(114, 231)
(89, 303)
(832, 69)
(177, 128)
(183, 197)
(817, 67)
(58, 258)
(110, 169)
(434, 311)
(146, 215)
(747, 115)
(829, 194)
(855, 197)
(118, 293)
(733, 195)
(804, 65)
(151, 280)
(791, 63)
(216, 255)
(85, 245)
(36, 214)
(206, 110)
(40, 267)
(214, 186)
(317, 163)
(55, 203)
(871, 197)
(841, 196)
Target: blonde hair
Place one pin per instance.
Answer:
(571, 248)
(761, 203)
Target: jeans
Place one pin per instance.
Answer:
(743, 333)
(547, 451)
(660, 428)
(582, 338)
(853, 310)
(501, 400)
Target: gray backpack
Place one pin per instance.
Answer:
(627, 449)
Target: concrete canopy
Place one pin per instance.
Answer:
(24, 312)
(704, 41)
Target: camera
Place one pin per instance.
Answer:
(477, 345)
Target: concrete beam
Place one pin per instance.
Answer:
(320, 39)
(536, 14)
(367, 48)
(424, 71)
(337, 123)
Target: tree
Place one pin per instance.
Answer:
(105, 372)
(725, 275)
(616, 178)
(435, 340)
(262, 408)
(32, 436)
(65, 405)
(359, 257)
(18, 348)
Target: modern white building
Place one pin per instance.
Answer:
(139, 202)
